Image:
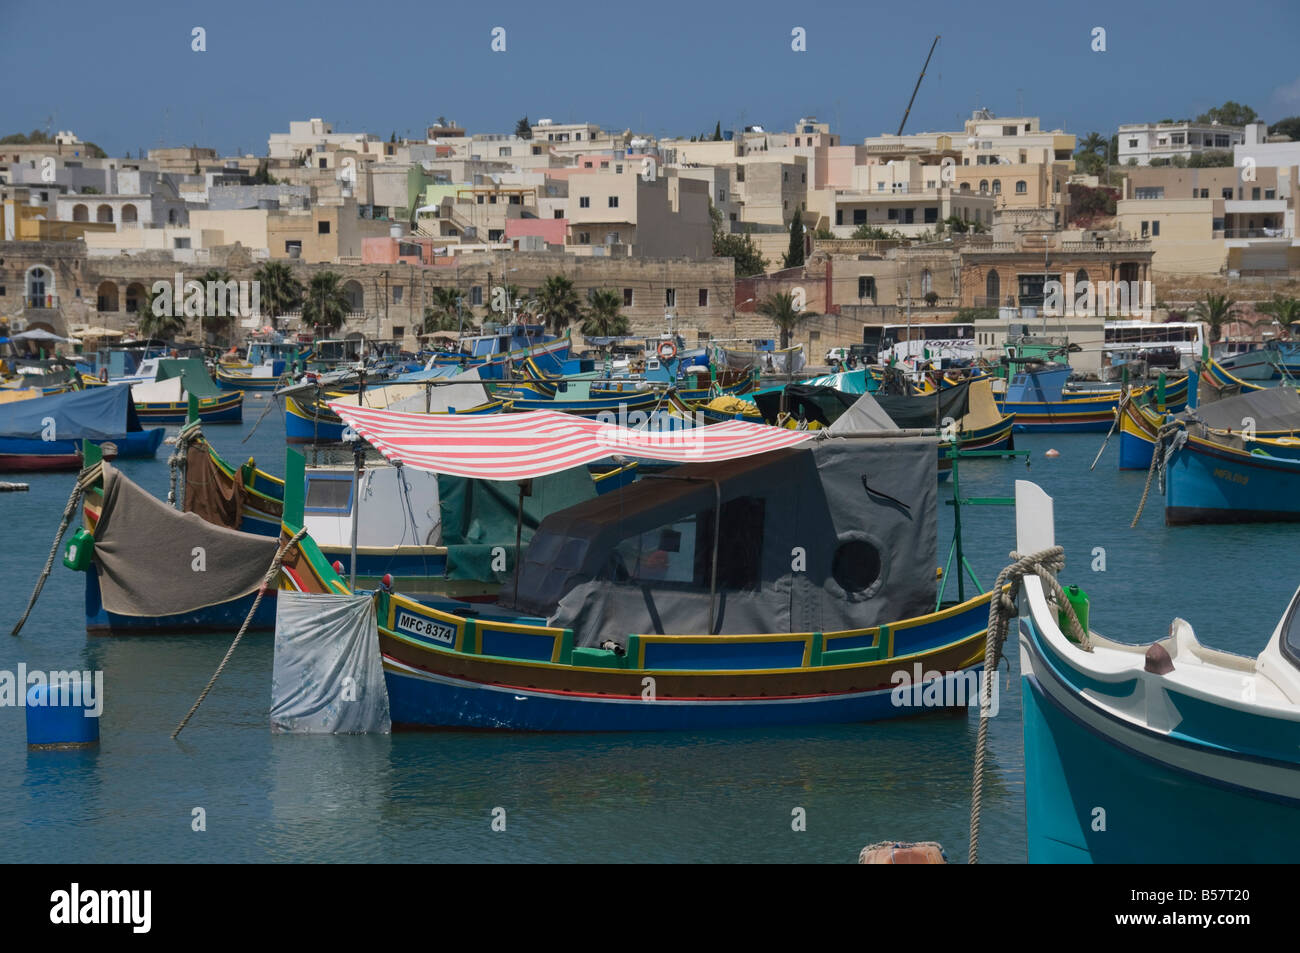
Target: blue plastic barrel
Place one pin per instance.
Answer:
(62, 714)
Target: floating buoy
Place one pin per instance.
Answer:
(387, 582)
(62, 715)
(1052, 453)
(903, 852)
(338, 567)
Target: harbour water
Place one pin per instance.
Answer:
(433, 797)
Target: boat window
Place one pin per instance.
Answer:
(856, 565)
(681, 552)
(1291, 634)
(334, 495)
(664, 554)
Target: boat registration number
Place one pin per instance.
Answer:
(428, 628)
(1232, 477)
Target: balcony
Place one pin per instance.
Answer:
(1108, 244)
(38, 302)
(1254, 233)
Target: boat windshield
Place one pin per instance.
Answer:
(1291, 633)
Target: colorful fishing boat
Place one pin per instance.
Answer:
(309, 419)
(45, 433)
(583, 638)
(1129, 749)
(166, 399)
(1214, 479)
(498, 352)
(1041, 403)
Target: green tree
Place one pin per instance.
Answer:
(740, 248)
(325, 304)
(262, 175)
(1213, 159)
(873, 232)
(1229, 114)
(523, 129)
(1094, 143)
(154, 324)
(823, 233)
(1216, 310)
(214, 323)
(278, 290)
(1283, 309)
(1290, 126)
(558, 302)
(781, 309)
(443, 312)
(794, 256)
(717, 131)
(604, 317)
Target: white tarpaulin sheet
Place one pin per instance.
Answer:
(327, 677)
(167, 391)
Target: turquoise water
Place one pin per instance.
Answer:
(431, 796)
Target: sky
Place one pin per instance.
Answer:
(125, 76)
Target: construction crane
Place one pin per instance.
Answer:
(917, 87)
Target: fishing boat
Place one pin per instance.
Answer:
(1168, 752)
(166, 399)
(1038, 397)
(436, 536)
(309, 419)
(585, 637)
(1270, 361)
(499, 349)
(45, 433)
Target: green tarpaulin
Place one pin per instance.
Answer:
(194, 375)
(479, 516)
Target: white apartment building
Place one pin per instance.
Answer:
(1167, 140)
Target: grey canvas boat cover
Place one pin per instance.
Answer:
(327, 677)
(1272, 409)
(838, 533)
(865, 416)
(153, 560)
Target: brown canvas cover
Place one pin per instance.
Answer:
(153, 560)
(209, 492)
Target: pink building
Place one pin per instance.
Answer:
(551, 230)
(410, 250)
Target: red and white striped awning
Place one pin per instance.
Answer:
(517, 446)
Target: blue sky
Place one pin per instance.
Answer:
(663, 67)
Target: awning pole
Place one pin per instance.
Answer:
(358, 462)
(713, 575)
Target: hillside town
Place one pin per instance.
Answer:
(743, 234)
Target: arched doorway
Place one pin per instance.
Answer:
(106, 296)
(38, 289)
(129, 213)
(135, 298)
(104, 214)
(356, 296)
(80, 213)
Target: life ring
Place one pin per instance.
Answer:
(667, 350)
(103, 375)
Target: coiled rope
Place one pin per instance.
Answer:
(1002, 609)
(261, 591)
(85, 480)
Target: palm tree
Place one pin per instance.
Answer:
(780, 307)
(603, 317)
(155, 325)
(442, 314)
(1216, 310)
(558, 302)
(1282, 309)
(325, 303)
(279, 291)
(1095, 144)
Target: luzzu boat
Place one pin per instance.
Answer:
(1214, 479)
(309, 419)
(45, 433)
(166, 399)
(584, 639)
(1039, 400)
(496, 353)
(1170, 752)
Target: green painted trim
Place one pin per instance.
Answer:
(596, 658)
(566, 648)
(295, 482)
(90, 454)
(816, 650)
(193, 415)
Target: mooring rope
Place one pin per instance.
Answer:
(85, 480)
(179, 458)
(1002, 609)
(270, 576)
(270, 404)
(1158, 463)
